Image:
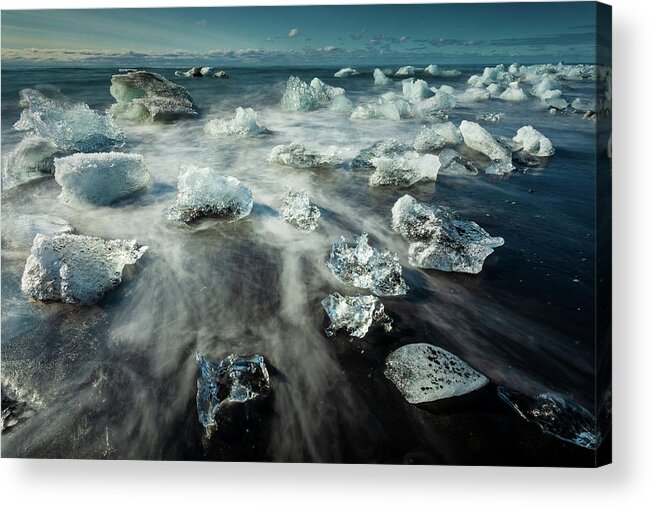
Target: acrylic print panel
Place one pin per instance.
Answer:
(347, 234)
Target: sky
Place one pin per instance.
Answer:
(351, 34)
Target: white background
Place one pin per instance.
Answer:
(626, 482)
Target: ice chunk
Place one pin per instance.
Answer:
(476, 137)
(32, 158)
(424, 373)
(533, 142)
(556, 415)
(453, 164)
(442, 100)
(204, 193)
(381, 78)
(554, 99)
(99, 178)
(346, 72)
(494, 90)
(76, 269)
(297, 155)
(473, 95)
(513, 93)
(234, 379)
(547, 83)
(439, 240)
(404, 170)
(389, 106)
(296, 210)
(355, 314)
(299, 96)
(434, 70)
(437, 137)
(14, 408)
(378, 149)
(367, 268)
(244, 124)
(413, 91)
(22, 229)
(221, 74)
(491, 117)
(324, 92)
(584, 105)
(71, 127)
(200, 72)
(145, 96)
(341, 103)
(407, 70)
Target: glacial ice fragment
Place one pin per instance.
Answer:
(529, 140)
(438, 239)
(22, 229)
(99, 179)
(441, 100)
(299, 96)
(346, 72)
(145, 96)
(341, 103)
(297, 155)
(381, 78)
(355, 314)
(204, 193)
(407, 70)
(324, 92)
(234, 379)
(473, 95)
(513, 93)
(554, 99)
(436, 137)
(76, 269)
(555, 415)
(584, 105)
(244, 124)
(367, 268)
(494, 90)
(380, 148)
(32, 158)
(434, 70)
(424, 373)
(70, 127)
(454, 164)
(477, 138)
(296, 210)
(404, 170)
(389, 106)
(415, 90)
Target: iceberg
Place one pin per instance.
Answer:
(407, 70)
(76, 269)
(99, 179)
(22, 229)
(414, 91)
(234, 379)
(204, 193)
(555, 415)
(297, 155)
(365, 267)
(296, 210)
(378, 149)
(404, 170)
(473, 95)
(437, 137)
(439, 239)
(477, 138)
(324, 92)
(145, 97)
(244, 124)
(299, 96)
(434, 70)
(584, 105)
(355, 314)
(513, 93)
(346, 72)
(68, 126)
(31, 159)
(529, 140)
(381, 78)
(424, 373)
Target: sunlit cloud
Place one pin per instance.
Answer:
(294, 32)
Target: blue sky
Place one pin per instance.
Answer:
(354, 34)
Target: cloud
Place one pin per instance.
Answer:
(294, 32)
(358, 35)
(375, 40)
